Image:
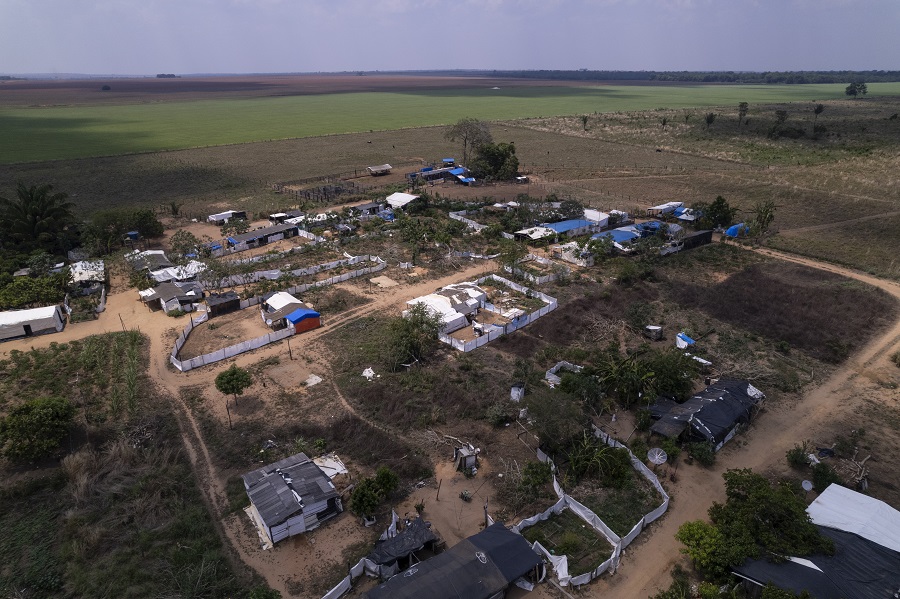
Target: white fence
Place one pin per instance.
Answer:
(245, 346)
(458, 254)
(560, 562)
(461, 217)
(275, 274)
(493, 332)
(539, 280)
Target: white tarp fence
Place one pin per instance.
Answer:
(560, 563)
(461, 217)
(562, 270)
(234, 350)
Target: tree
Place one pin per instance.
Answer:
(365, 498)
(471, 132)
(664, 122)
(495, 161)
(412, 337)
(184, 243)
(710, 118)
(763, 216)
(386, 480)
(743, 109)
(673, 372)
(511, 252)
(817, 110)
(36, 217)
(714, 215)
(35, 428)
(780, 117)
(758, 519)
(857, 89)
(235, 226)
(233, 381)
(571, 209)
(584, 121)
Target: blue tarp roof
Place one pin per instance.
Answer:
(679, 211)
(568, 225)
(458, 171)
(301, 314)
(618, 235)
(468, 179)
(685, 338)
(449, 160)
(737, 230)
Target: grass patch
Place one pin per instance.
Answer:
(567, 534)
(64, 132)
(620, 508)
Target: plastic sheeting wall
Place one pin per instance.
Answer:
(560, 563)
(536, 279)
(461, 217)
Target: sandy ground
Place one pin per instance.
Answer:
(645, 566)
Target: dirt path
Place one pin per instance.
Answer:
(645, 568)
(840, 223)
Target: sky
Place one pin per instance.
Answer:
(145, 37)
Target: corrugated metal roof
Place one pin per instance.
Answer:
(283, 489)
(568, 225)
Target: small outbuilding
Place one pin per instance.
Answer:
(290, 497)
(400, 199)
(573, 227)
(264, 236)
(667, 208)
(221, 218)
(36, 321)
(171, 296)
(381, 169)
(223, 303)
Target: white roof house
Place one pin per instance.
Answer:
(88, 271)
(400, 199)
(281, 299)
(452, 303)
(24, 323)
(844, 509)
(664, 208)
(596, 216)
(535, 233)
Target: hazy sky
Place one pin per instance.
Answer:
(238, 36)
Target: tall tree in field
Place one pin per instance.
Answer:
(743, 108)
(857, 89)
(472, 133)
(233, 382)
(36, 216)
(763, 216)
(710, 119)
(819, 109)
(584, 121)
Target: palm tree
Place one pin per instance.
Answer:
(35, 216)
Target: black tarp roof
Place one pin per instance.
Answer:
(476, 568)
(711, 414)
(416, 536)
(859, 569)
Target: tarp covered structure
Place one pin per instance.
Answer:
(416, 536)
(844, 509)
(712, 415)
(22, 323)
(737, 230)
(480, 567)
(400, 199)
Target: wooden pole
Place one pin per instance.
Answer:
(437, 497)
(290, 353)
(229, 414)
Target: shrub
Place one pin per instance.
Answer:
(644, 420)
(365, 497)
(798, 456)
(670, 446)
(639, 448)
(35, 429)
(702, 452)
(896, 359)
(536, 474)
(497, 414)
(824, 475)
(386, 480)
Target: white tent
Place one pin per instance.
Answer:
(441, 306)
(535, 233)
(400, 199)
(22, 323)
(664, 208)
(280, 300)
(844, 509)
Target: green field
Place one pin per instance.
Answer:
(63, 132)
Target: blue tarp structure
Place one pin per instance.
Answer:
(467, 180)
(458, 171)
(682, 341)
(568, 225)
(387, 215)
(618, 235)
(679, 211)
(449, 160)
(301, 314)
(737, 230)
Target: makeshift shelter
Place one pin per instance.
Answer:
(453, 304)
(367, 210)
(666, 208)
(399, 552)
(738, 230)
(221, 218)
(465, 458)
(265, 235)
(304, 319)
(400, 199)
(712, 415)
(482, 566)
(223, 303)
(88, 271)
(173, 296)
(150, 260)
(184, 272)
(290, 497)
(573, 227)
(866, 560)
(381, 169)
(36, 321)
(277, 306)
(534, 233)
(573, 253)
(601, 219)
